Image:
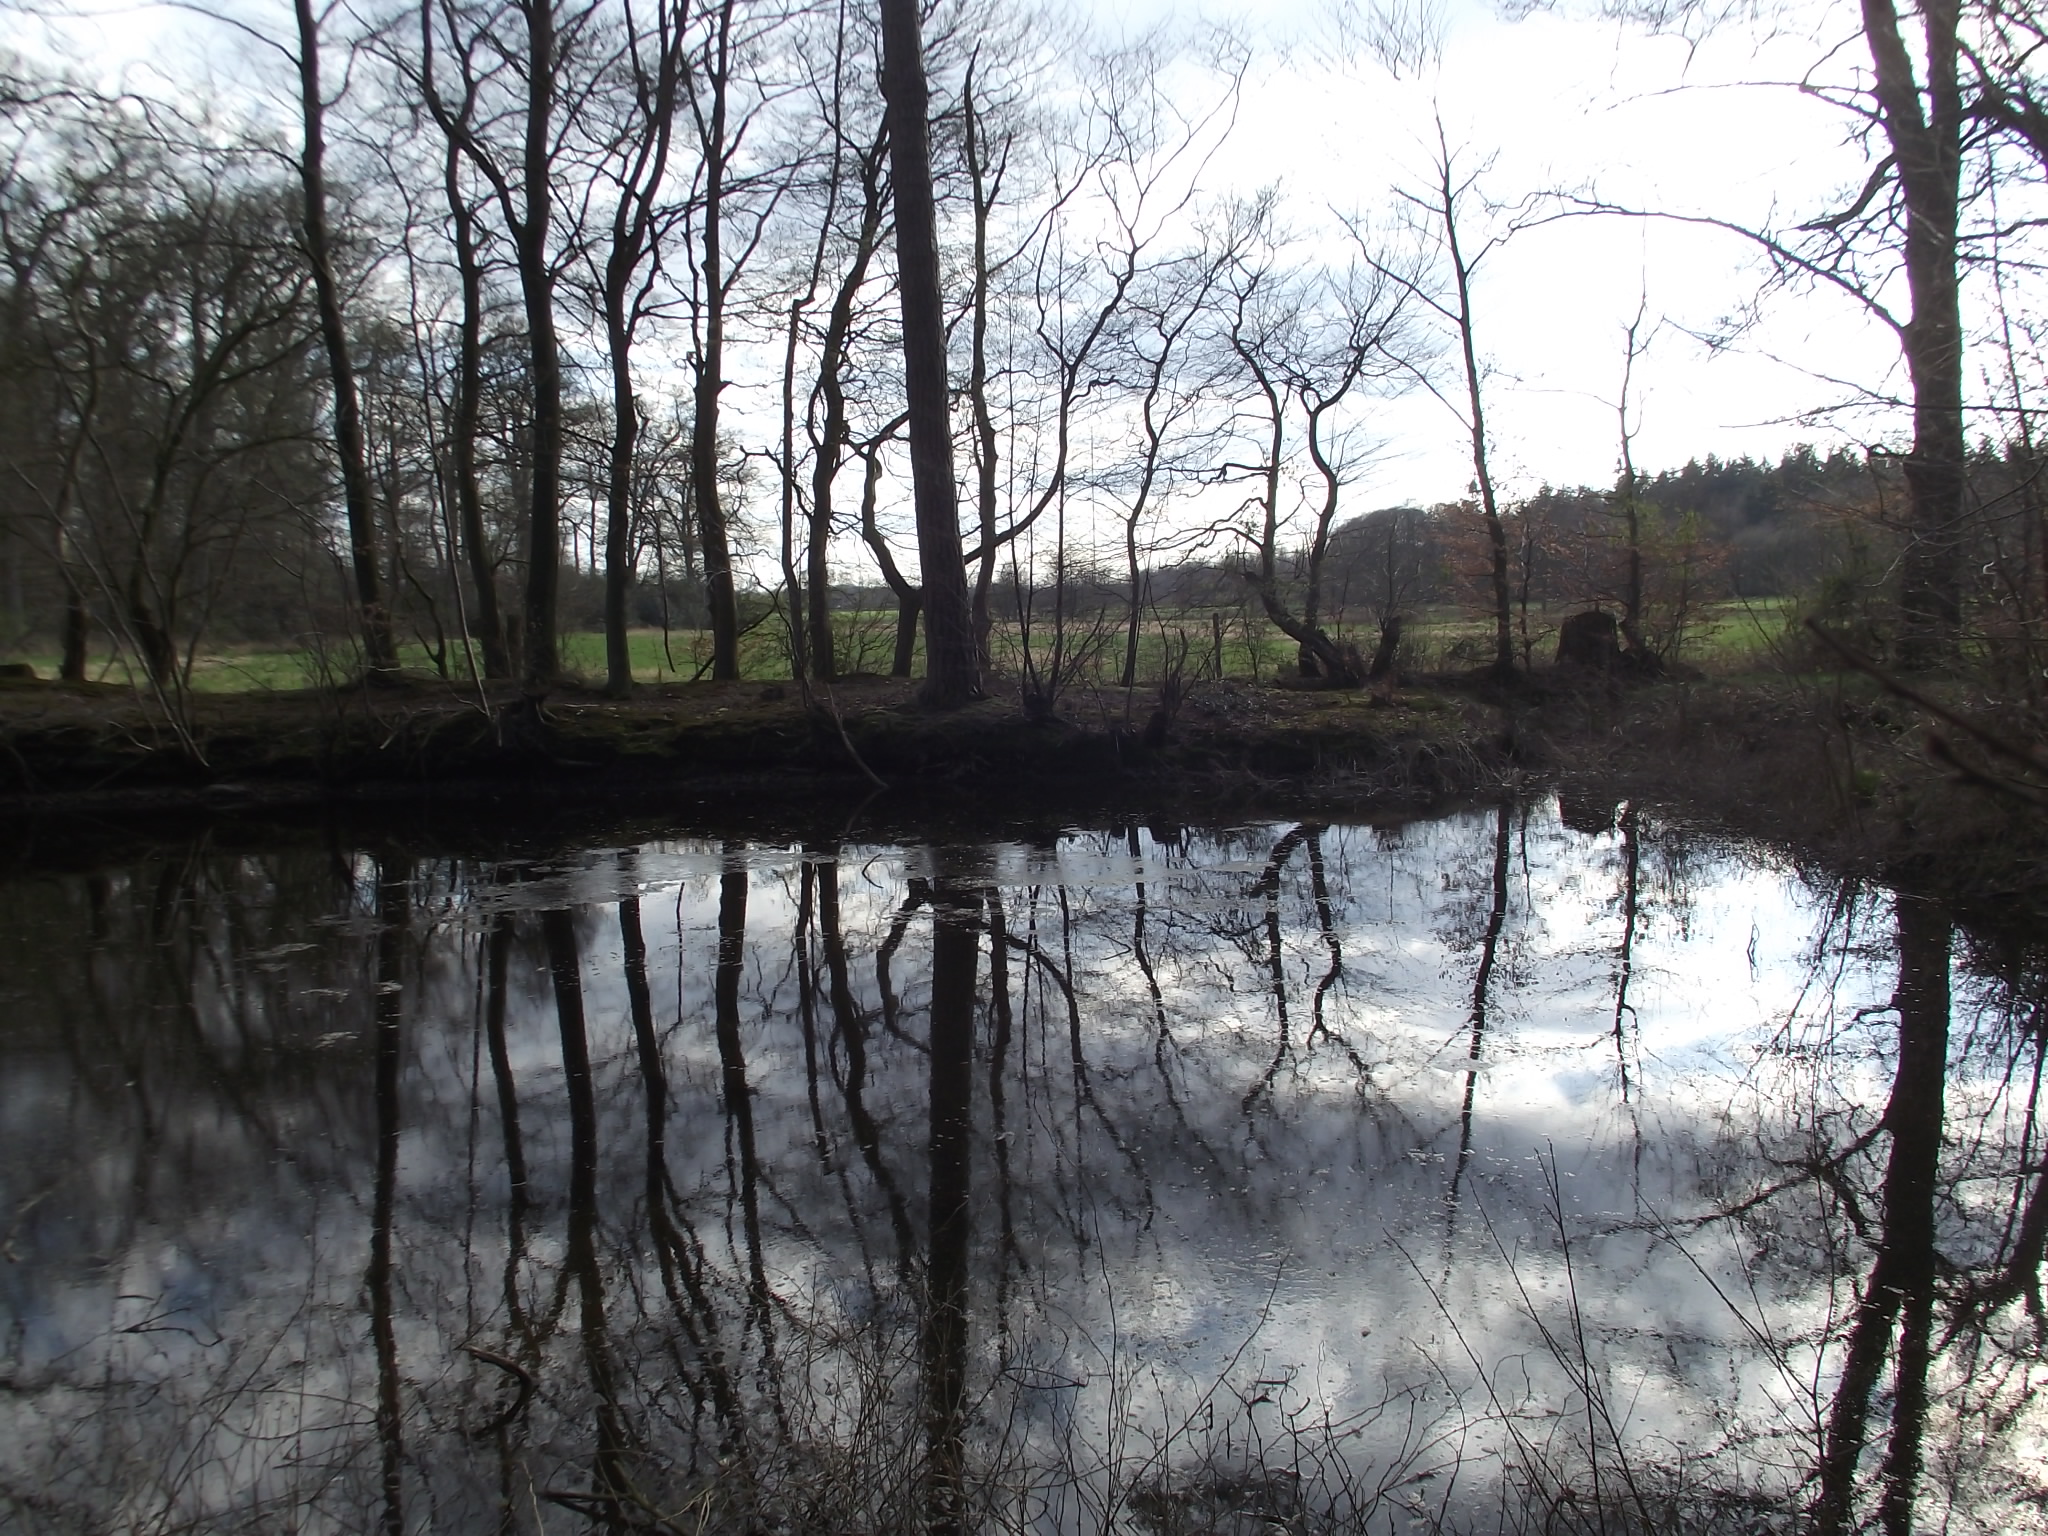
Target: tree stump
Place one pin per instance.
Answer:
(1591, 641)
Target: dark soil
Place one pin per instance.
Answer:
(95, 751)
(1832, 770)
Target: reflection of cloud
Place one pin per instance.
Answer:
(1151, 1222)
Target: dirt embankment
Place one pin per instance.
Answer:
(72, 747)
(1835, 771)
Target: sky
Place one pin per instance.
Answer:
(1559, 103)
(1552, 102)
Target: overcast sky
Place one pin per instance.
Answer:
(1549, 102)
(1559, 102)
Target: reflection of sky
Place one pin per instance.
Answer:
(1190, 1203)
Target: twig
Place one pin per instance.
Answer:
(832, 704)
(512, 1368)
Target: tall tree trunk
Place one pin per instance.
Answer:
(909, 600)
(1482, 472)
(1631, 502)
(378, 648)
(832, 430)
(1343, 669)
(152, 636)
(1155, 435)
(537, 286)
(394, 912)
(618, 525)
(1926, 147)
(977, 379)
(719, 592)
(466, 423)
(818, 534)
(77, 626)
(1900, 1289)
(955, 954)
(1310, 658)
(645, 165)
(952, 659)
(1134, 603)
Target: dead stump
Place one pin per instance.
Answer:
(1591, 641)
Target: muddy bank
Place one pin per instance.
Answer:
(728, 750)
(1834, 772)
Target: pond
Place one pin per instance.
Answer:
(1521, 1169)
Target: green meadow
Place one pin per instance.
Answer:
(1722, 637)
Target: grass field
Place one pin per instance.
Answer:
(1725, 637)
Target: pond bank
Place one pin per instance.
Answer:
(1830, 769)
(86, 748)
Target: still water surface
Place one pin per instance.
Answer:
(1470, 1173)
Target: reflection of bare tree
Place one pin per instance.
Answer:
(1625, 961)
(1482, 1000)
(737, 1096)
(394, 890)
(2014, 1273)
(1326, 924)
(1624, 975)
(1308, 835)
(1900, 1290)
(1060, 972)
(1162, 1025)
(1009, 1253)
(955, 948)
(1267, 889)
(611, 1482)
(661, 1372)
(850, 1033)
(693, 1349)
(498, 954)
(918, 894)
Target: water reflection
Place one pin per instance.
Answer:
(1509, 1169)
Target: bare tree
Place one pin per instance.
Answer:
(1167, 377)
(378, 648)
(1441, 209)
(845, 190)
(909, 597)
(45, 417)
(1628, 492)
(1311, 340)
(525, 65)
(952, 657)
(200, 319)
(649, 71)
(1127, 164)
(830, 405)
(1945, 83)
(733, 206)
(466, 411)
(1920, 114)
